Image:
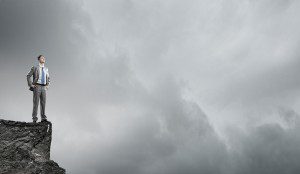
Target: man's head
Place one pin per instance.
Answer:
(41, 59)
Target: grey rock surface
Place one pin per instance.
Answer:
(25, 148)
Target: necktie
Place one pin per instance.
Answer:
(43, 76)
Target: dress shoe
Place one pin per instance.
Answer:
(44, 120)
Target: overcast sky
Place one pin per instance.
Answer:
(159, 86)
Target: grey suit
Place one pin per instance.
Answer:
(39, 92)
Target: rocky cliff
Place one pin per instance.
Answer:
(25, 148)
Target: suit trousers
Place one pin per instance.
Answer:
(39, 95)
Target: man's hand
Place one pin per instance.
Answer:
(47, 87)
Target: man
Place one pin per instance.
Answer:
(39, 85)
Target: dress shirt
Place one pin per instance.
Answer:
(40, 73)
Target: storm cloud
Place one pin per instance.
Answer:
(153, 86)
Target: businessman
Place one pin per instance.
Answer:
(39, 86)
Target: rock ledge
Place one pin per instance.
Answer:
(25, 148)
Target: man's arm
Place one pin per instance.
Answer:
(48, 79)
(30, 73)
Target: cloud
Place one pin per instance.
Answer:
(159, 133)
(268, 148)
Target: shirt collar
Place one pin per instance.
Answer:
(41, 65)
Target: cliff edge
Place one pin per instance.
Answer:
(25, 148)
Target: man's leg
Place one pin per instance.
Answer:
(43, 103)
(36, 97)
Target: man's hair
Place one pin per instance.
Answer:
(39, 57)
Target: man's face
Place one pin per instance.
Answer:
(42, 59)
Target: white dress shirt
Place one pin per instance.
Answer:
(46, 73)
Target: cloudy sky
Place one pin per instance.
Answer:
(159, 86)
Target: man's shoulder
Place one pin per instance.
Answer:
(34, 66)
(37, 66)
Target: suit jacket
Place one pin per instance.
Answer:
(34, 71)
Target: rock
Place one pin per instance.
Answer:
(25, 148)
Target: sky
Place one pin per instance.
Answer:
(159, 86)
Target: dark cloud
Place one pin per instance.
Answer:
(41, 27)
(268, 148)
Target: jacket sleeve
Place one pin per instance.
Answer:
(30, 73)
(48, 77)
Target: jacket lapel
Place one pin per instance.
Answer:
(37, 73)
